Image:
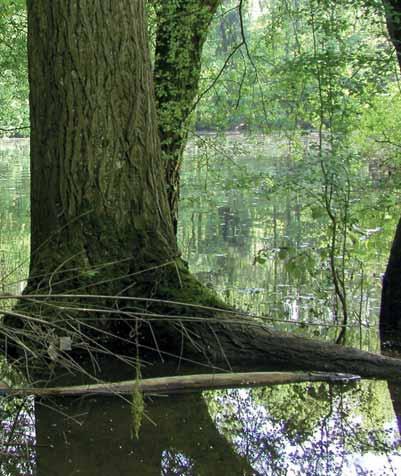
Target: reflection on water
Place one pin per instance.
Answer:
(176, 437)
(242, 234)
(17, 437)
(286, 430)
(14, 215)
(250, 230)
(253, 228)
(306, 429)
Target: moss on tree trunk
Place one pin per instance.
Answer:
(182, 28)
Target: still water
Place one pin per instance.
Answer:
(258, 239)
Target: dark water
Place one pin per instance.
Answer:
(286, 430)
(233, 206)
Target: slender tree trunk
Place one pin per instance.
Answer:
(390, 311)
(182, 28)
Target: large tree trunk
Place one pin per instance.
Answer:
(98, 193)
(100, 217)
(182, 28)
(101, 223)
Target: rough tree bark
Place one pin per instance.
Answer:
(95, 157)
(100, 214)
(101, 223)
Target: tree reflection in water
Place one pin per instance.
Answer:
(287, 430)
(17, 437)
(311, 429)
(176, 463)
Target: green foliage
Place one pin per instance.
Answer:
(310, 69)
(13, 69)
(379, 138)
(297, 56)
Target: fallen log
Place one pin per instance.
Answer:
(251, 347)
(184, 383)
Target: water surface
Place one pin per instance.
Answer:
(260, 246)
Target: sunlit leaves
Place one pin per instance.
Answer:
(305, 55)
(13, 66)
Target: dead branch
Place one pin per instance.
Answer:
(184, 383)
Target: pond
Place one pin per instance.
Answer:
(252, 228)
